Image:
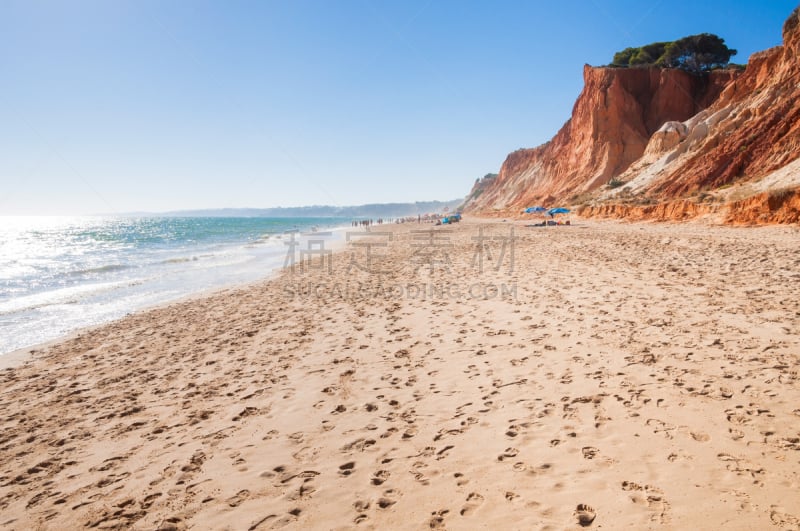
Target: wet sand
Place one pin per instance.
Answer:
(617, 376)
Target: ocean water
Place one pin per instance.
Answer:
(60, 274)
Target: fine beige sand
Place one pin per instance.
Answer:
(620, 376)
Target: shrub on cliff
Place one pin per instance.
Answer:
(647, 55)
(695, 53)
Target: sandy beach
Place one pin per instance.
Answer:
(486, 375)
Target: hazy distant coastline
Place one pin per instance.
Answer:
(368, 210)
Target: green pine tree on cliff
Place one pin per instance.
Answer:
(695, 54)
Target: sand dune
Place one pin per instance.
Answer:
(618, 376)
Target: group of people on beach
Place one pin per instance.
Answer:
(366, 222)
(550, 222)
(420, 218)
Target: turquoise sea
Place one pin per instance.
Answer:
(60, 274)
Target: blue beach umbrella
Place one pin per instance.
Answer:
(559, 210)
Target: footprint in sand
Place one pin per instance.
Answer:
(736, 434)
(585, 514)
(441, 454)
(783, 519)
(419, 476)
(437, 519)
(509, 452)
(148, 500)
(380, 477)
(361, 506)
(347, 468)
(474, 500)
(389, 432)
(303, 492)
(360, 445)
(654, 499)
(240, 497)
(735, 417)
(285, 521)
(659, 506)
(385, 503)
(409, 433)
(589, 452)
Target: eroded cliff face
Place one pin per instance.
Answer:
(611, 124)
(777, 206)
(676, 145)
(752, 130)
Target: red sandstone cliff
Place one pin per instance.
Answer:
(612, 121)
(681, 145)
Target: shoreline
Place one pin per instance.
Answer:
(626, 375)
(19, 356)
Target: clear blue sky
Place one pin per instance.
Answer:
(115, 106)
